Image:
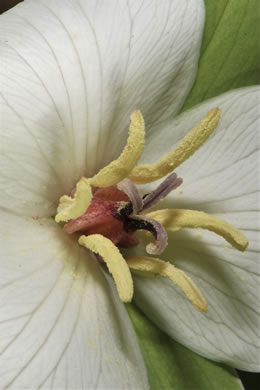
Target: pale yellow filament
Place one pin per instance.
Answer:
(149, 266)
(70, 208)
(115, 262)
(174, 219)
(118, 169)
(191, 142)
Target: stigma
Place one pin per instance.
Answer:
(115, 213)
(105, 216)
(107, 210)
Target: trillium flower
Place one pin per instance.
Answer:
(72, 72)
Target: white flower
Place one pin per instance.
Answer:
(71, 73)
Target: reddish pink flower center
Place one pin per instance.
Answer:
(102, 218)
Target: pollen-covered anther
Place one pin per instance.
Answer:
(74, 207)
(115, 262)
(191, 142)
(150, 267)
(118, 169)
(175, 219)
(108, 219)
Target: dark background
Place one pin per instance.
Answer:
(6, 4)
(250, 381)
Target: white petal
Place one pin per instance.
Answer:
(61, 325)
(221, 178)
(71, 73)
(225, 169)
(229, 280)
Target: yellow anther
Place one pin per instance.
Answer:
(70, 208)
(174, 219)
(191, 142)
(115, 262)
(150, 266)
(118, 169)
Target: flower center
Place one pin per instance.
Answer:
(105, 216)
(107, 210)
(114, 212)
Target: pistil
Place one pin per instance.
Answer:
(107, 210)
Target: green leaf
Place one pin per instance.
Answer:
(172, 366)
(230, 49)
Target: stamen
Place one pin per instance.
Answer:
(70, 208)
(191, 142)
(150, 266)
(118, 169)
(169, 184)
(115, 262)
(140, 222)
(175, 219)
(128, 187)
